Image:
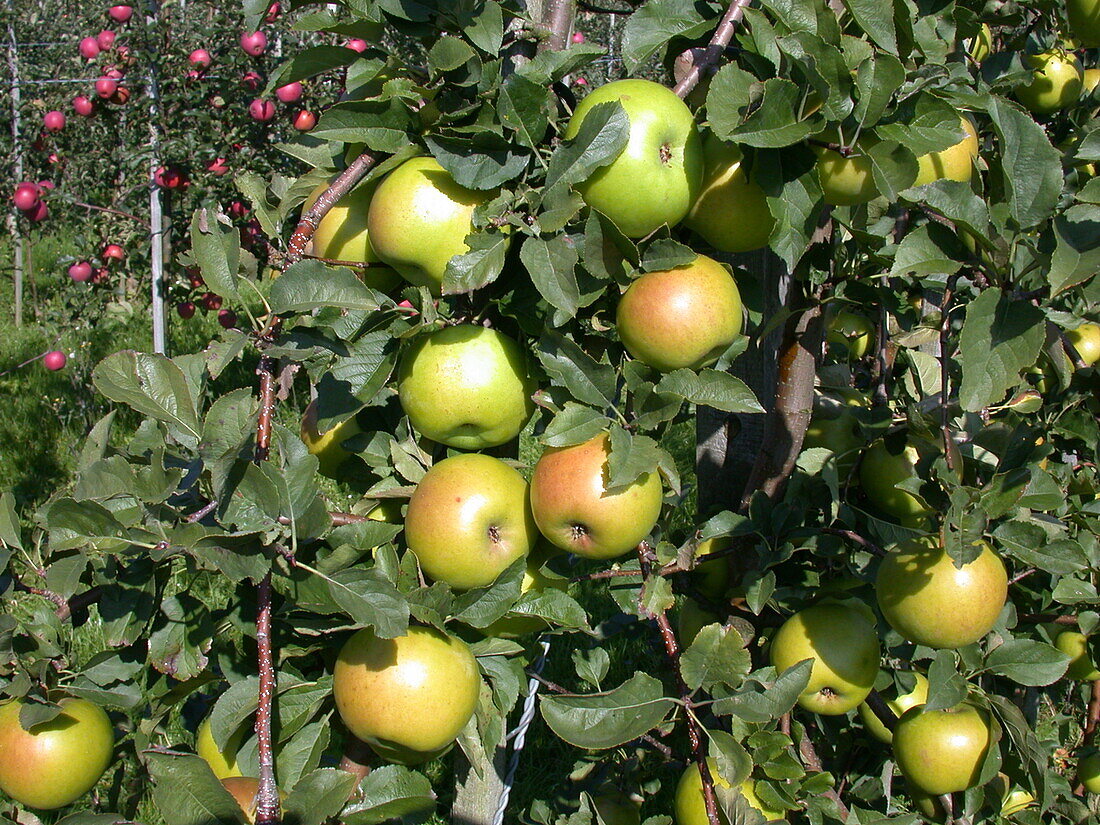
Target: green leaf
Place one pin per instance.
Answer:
(482, 160)
(186, 792)
(1076, 255)
(310, 62)
(552, 265)
(178, 645)
(877, 20)
(606, 720)
(570, 367)
(922, 252)
(152, 385)
(318, 796)
(655, 24)
(575, 424)
(601, 138)
(762, 701)
(1027, 662)
(946, 688)
(524, 107)
(370, 602)
(449, 53)
(711, 388)
(9, 526)
(310, 285)
(389, 792)
(631, 457)
(1032, 168)
(716, 657)
(877, 78)
(480, 266)
(774, 124)
(482, 606)
(216, 247)
(665, 253)
(1000, 338)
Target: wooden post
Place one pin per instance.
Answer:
(17, 165)
(156, 211)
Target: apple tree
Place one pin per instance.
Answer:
(737, 419)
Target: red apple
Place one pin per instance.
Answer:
(113, 72)
(120, 14)
(253, 43)
(112, 252)
(252, 81)
(227, 318)
(580, 81)
(124, 56)
(101, 276)
(578, 37)
(305, 120)
(201, 59)
(289, 93)
(185, 309)
(26, 196)
(355, 44)
(105, 39)
(89, 48)
(195, 277)
(237, 209)
(105, 87)
(169, 177)
(44, 186)
(54, 121)
(218, 166)
(53, 157)
(54, 360)
(81, 272)
(83, 106)
(273, 12)
(261, 110)
(121, 95)
(211, 302)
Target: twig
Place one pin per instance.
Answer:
(865, 543)
(340, 519)
(550, 686)
(107, 209)
(709, 56)
(356, 759)
(1046, 618)
(267, 812)
(202, 512)
(813, 763)
(945, 376)
(343, 184)
(56, 598)
(882, 710)
(266, 371)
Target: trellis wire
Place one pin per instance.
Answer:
(518, 735)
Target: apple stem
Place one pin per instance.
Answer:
(707, 58)
(356, 759)
(852, 536)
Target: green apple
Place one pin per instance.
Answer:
(930, 806)
(846, 180)
(680, 318)
(658, 175)
(850, 334)
(466, 386)
(1013, 798)
(469, 519)
(222, 761)
(873, 725)
(1084, 21)
(411, 695)
(534, 581)
(942, 751)
(1076, 646)
(689, 807)
(1056, 82)
(712, 577)
(1086, 340)
(1088, 771)
(981, 44)
(327, 446)
(55, 762)
(885, 464)
(930, 601)
(419, 218)
(691, 618)
(341, 235)
(954, 163)
(575, 510)
(1090, 79)
(844, 648)
(731, 212)
(834, 427)
(614, 807)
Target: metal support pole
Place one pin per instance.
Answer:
(17, 163)
(156, 211)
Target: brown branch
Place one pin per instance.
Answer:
(865, 543)
(882, 710)
(266, 371)
(267, 812)
(340, 519)
(107, 209)
(59, 601)
(945, 362)
(708, 57)
(1046, 618)
(357, 759)
(557, 17)
(1092, 720)
(202, 512)
(340, 186)
(813, 764)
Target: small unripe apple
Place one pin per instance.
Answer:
(106, 86)
(1086, 340)
(942, 751)
(884, 465)
(731, 212)
(54, 121)
(846, 179)
(83, 106)
(113, 252)
(357, 45)
(89, 48)
(201, 59)
(54, 360)
(305, 120)
(289, 93)
(953, 163)
(261, 110)
(105, 39)
(120, 14)
(850, 334)
(227, 318)
(254, 43)
(80, 271)
(185, 309)
(26, 196)
(218, 167)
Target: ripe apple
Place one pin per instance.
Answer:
(80, 271)
(304, 120)
(83, 106)
(846, 179)
(251, 81)
(844, 647)
(683, 317)
(1086, 340)
(261, 110)
(930, 601)
(26, 196)
(1090, 79)
(469, 519)
(1056, 82)
(105, 39)
(419, 219)
(873, 725)
(954, 163)
(578, 37)
(942, 751)
(342, 235)
(89, 48)
(273, 12)
(659, 174)
(169, 177)
(185, 309)
(227, 318)
(39, 213)
(56, 762)
(105, 87)
(120, 14)
(218, 167)
(465, 386)
(327, 446)
(201, 59)
(54, 121)
(1084, 21)
(357, 45)
(1076, 646)
(245, 789)
(290, 93)
(576, 511)
(211, 302)
(1088, 771)
(981, 44)
(54, 360)
(834, 427)
(731, 212)
(689, 807)
(850, 334)
(253, 43)
(885, 464)
(410, 696)
(113, 252)
(222, 761)
(120, 97)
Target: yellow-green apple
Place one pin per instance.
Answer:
(55, 762)
(469, 519)
(1090, 78)
(846, 179)
(1084, 21)
(466, 386)
(342, 235)
(1088, 771)
(408, 697)
(419, 218)
(731, 212)
(942, 751)
(657, 176)
(873, 725)
(844, 648)
(850, 334)
(884, 465)
(692, 618)
(575, 510)
(1086, 340)
(834, 427)
(614, 807)
(680, 318)
(1076, 646)
(712, 577)
(222, 761)
(1056, 82)
(328, 445)
(930, 806)
(689, 807)
(534, 581)
(244, 790)
(981, 44)
(929, 600)
(954, 163)
(1013, 798)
